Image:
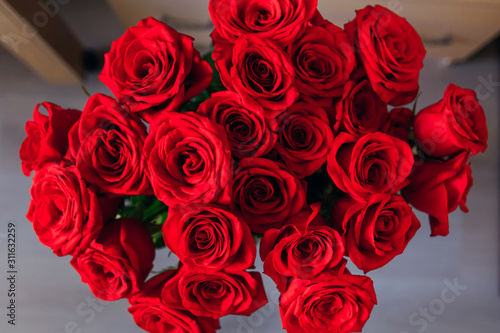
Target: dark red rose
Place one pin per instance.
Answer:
(215, 294)
(323, 59)
(209, 237)
(360, 110)
(438, 188)
(248, 132)
(265, 194)
(304, 247)
(399, 123)
(153, 69)
(154, 316)
(304, 138)
(259, 71)
(47, 136)
(117, 262)
(454, 124)
(189, 160)
(391, 51)
(376, 231)
(331, 302)
(65, 214)
(107, 147)
(373, 164)
(280, 20)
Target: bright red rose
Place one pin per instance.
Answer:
(259, 71)
(209, 237)
(456, 123)
(376, 163)
(331, 302)
(280, 20)
(399, 123)
(304, 247)
(323, 59)
(215, 294)
(376, 231)
(65, 213)
(304, 138)
(360, 110)
(189, 160)
(438, 188)
(265, 194)
(154, 316)
(153, 69)
(391, 51)
(107, 147)
(47, 136)
(248, 132)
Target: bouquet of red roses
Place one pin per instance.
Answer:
(281, 136)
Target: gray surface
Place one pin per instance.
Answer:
(52, 299)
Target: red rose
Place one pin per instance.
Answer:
(248, 132)
(323, 59)
(259, 71)
(280, 20)
(399, 123)
(154, 316)
(438, 188)
(118, 261)
(304, 247)
(209, 237)
(65, 214)
(265, 194)
(304, 138)
(452, 125)
(47, 136)
(189, 160)
(331, 302)
(373, 164)
(107, 146)
(215, 294)
(360, 110)
(391, 51)
(154, 69)
(376, 231)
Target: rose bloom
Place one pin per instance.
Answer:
(65, 213)
(304, 138)
(209, 237)
(259, 71)
(376, 231)
(456, 123)
(304, 247)
(376, 163)
(323, 59)
(265, 194)
(189, 160)
(118, 261)
(154, 69)
(391, 52)
(331, 302)
(438, 188)
(360, 110)
(107, 147)
(248, 132)
(280, 20)
(215, 294)
(46, 136)
(399, 123)
(154, 316)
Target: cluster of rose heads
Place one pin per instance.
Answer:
(289, 140)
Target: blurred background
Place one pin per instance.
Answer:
(51, 47)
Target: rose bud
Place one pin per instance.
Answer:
(456, 123)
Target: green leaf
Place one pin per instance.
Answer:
(158, 240)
